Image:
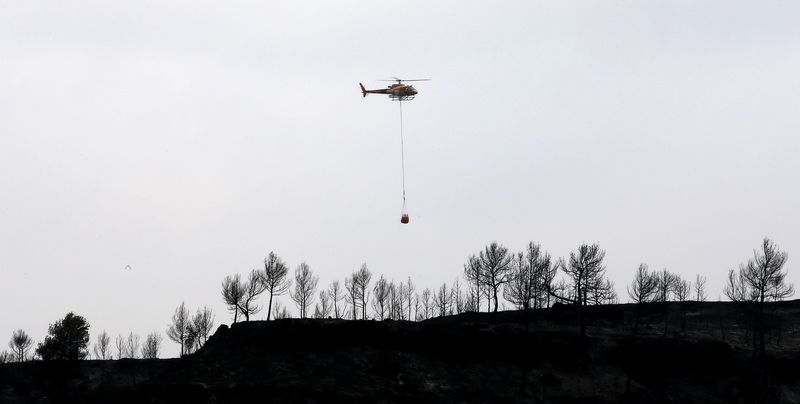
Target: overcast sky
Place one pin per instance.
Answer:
(188, 139)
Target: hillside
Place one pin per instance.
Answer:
(703, 357)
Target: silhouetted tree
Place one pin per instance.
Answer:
(427, 304)
(642, 290)
(178, 329)
(200, 328)
(67, 339)
(102, 348)
(305, 285)
(700, 288)
(233, 294)
(585, 269)
(323, 308)
(442, 299)
(192, 344)
(531, 276)
(667, 282)
(736, 288)
(760, 280)
(20, 344)
(274, 278)
(472, 272)
(119, 343)
(380, 294)
(682, 289)
(152, 346)
(666, 285)
(521, 285)
(361, 280)
(132, 344)
(495, 263)
(335, 294)
(280, 311)
(6, 357)
(398, 301)
(351, 287)
(409, 297)
(458, 302)
(561, 291)
(253, 288)
(416, 303)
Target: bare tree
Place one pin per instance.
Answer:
(274, 278)
(495, 263)
(458, 302)
(178, 330)
(764, 273)
(152, 346)
(202, 323)
(682, 289)
(132, 344)
(380, 295)
(531, 276)
(233, 294)
(736, 287)
(6, 357)
(409, 297)
(544, 270)
(520, 288)
(472, 272)
(398, 299)
(335, 294)
(666, 285)
(416, 307)
(351, 287)
(760, 280)
(323, 308)
(644, 286)
(253, 288)
(122, 351)
(427, 304)
(642, 290)
(585, 269)
(102, 348)
(20, 344)
(192, 340)
(361, 279)
(305, 285)
(280, 311)
(442, 300)
(700, 288)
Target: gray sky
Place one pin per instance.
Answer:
(189, 138)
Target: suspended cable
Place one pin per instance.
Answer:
(404, 213)
(402, 153)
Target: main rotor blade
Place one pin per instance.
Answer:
(404, 80)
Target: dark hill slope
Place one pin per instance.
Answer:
(702, 357)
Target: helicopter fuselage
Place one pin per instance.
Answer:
(395, 91)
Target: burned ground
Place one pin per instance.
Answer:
(702, 355)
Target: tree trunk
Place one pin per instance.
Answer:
(495, 299)
(269, 307)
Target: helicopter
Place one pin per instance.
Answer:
(397, 91)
